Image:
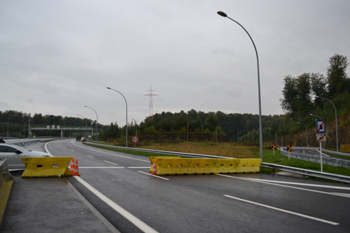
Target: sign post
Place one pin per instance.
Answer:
(135, 140)
(321, 136)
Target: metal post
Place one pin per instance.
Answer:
(126, 125)
(257, 59)
(321, 157)
(336, 119)
(96, 138)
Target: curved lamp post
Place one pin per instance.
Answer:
(306, 132)
(96, 122)
(126, 125)
(257, 59)
(8, 122)
(336, 118)
(315, 116)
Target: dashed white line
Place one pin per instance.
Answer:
(90, 156)
(138, 167)
(155, 176)
(110, 162)
(285, 211)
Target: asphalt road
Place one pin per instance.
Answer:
(119, 186)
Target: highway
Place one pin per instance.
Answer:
(120, 187)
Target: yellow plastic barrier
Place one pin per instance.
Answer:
(344, 147)
(227, 165)
(6, 182)
(249, 165)
(46, 166)
(202, 166)
(175, 165)
(152, 158)
(166, 166)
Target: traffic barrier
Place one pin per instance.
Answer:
(202, 166)
(248, 165)
(152, 158)
(166, 166)
(173, 166)
(344, 147)
(227, 165)
(6, 182)
(46, 166)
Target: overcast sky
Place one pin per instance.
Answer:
(58, 56)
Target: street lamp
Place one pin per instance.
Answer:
(275, 135)
(126, 124)
(96, 138)
(306, 132)
(257, 59)
(8, 121)
(315, 116)
(85, 123)
(238, 134)
(336, 118)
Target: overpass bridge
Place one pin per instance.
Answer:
(49, 128)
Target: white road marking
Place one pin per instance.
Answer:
(87, 148)
(47, 149)
(155, 176)
(286, 186)
(343, 194)
(71, 149)
(301, 184)
(102, 167)
(90, 156)
(137, 222)
(110, 162)
(138, 167)
(285, 211)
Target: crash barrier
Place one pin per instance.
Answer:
(6, 182)
(344, 147)
(46, 166)
(181, 166)
(327, 160)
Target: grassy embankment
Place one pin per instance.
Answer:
(237, 150)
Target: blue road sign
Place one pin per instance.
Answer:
(321, 126)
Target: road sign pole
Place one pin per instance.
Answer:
(321, 156)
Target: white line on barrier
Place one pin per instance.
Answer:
(110, 162)
(137, 222)
(155, 176)
(285, 211)
(90, 156)
(281, 185)
(100, 151)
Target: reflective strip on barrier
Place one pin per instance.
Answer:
(172, 165)
(46, 166)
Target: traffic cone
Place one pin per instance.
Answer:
(72, 166)
(76, 169)
(154, 168)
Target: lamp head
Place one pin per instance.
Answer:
(108, 88)
(223, 14)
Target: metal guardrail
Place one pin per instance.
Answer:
(324, 175)
(327, 160)
(305, 172)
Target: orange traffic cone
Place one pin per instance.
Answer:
(154, 168)
(76, 169)
(72, 166)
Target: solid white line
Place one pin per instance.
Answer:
(281, 185)
(102, 167)
(155, 176)
(138, 167)
(47, 150)
(137, 222)
(147, 161)
(90, 156)
(302, 184)
(342, 194)
(110, 162)
(285, 211)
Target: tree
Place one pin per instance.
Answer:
(211, 122)
(318, 87)
(166, 124)
(336, 75)
(303, 98)
(289, 93)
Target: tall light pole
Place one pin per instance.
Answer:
(306, 132)
(257, 59)
(8, 121)
(96, 138)
(336, 118)
(126, 124)
(85, 123)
